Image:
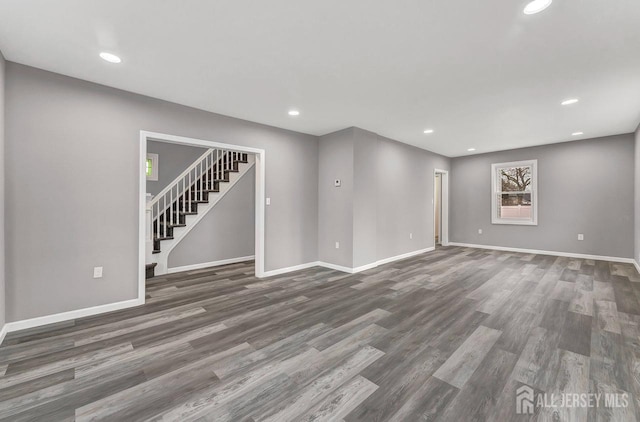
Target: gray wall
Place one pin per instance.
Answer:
(583, 187)
(227, 231)
(637, 197)
(2, 160)
(72, 151)
(335, 204)
(365, 197)
(405, 204)
(173, 159)
(386, 194)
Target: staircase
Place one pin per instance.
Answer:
(184, 202)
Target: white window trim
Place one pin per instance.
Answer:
(154, 167)
(534, 193)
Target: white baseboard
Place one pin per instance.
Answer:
(335, 267)
(553, 253)
(210, 264)
(66, 316)
(279, 271)
(346, 269)
(637, 265)
(405, 255)
(3, 333)
(375, 264)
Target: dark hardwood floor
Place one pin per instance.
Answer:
(444, 336)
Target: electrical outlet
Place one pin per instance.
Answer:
(97, 272)
(479, 231)
(337, 245)
(268, 201)
(580, 236)
(410, 235)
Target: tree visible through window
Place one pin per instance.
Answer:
(514, 193)
(151, 168)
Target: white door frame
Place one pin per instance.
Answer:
(259, 200)
(444, 215)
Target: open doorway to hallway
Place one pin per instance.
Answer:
(441, 207)
(437, 195)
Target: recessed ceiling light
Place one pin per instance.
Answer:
(569, 101)
(536, 6)
(294, 113)
(428, 131)
(111, 58)
(471, 149)
(577, 133)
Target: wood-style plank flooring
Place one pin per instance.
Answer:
(445, 336)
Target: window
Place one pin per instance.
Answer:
(514, 193)
(152, 167)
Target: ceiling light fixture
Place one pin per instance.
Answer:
(536, 6)
(111, 58)
(569, 101)
(428, 131)
(577, 133)
(471, 149)
(294, 113)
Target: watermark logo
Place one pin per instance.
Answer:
(524, 400)
(527, 401)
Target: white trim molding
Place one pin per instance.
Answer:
(3, 333)
(348, 270)
(70, 315)
(541, 252)
(444, 209)
(377, 263)
(344, 269)
(495, 181)
(405, 255)
(285, 270)
(210, 264)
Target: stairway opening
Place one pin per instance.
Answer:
(202, 202)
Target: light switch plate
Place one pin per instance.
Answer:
(97, 272)
(268, 201)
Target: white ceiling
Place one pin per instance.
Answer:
(481, 73)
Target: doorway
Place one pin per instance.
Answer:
(259, 201)
(441, 207)
(437, 195)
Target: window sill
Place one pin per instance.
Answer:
(515, 222)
